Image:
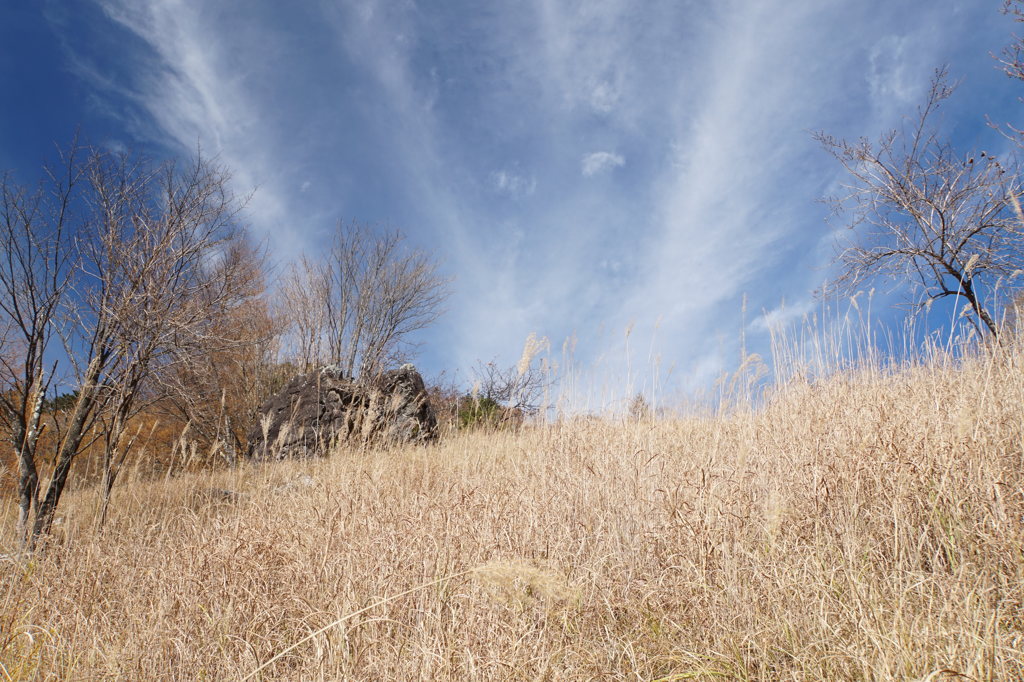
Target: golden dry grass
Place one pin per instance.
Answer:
(867, 527)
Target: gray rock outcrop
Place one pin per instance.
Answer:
(322, 408)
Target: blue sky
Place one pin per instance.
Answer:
(580, 168)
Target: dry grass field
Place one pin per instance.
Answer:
(866, 526)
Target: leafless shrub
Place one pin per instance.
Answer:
(639, 409)
(507, 386)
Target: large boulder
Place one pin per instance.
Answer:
(325, 407)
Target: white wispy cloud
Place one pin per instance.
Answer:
(481, 135)
(589, 55)
(781, 316)
(897, 73)
(710, 105)
(891, 76)
(194, 98)
(605, 96)
(380, 38)
(598, 162)
(517, 186)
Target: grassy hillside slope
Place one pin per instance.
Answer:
(869, 526)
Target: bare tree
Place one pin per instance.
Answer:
(358, 306)
(922, 212)
(160, 274)
(303, 299)
(35, 265)
(219, 386)
(132, 290)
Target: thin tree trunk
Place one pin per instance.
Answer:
(109, 476)
(968, 288)
(28, 488)
(66, 454)
(25, 438)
